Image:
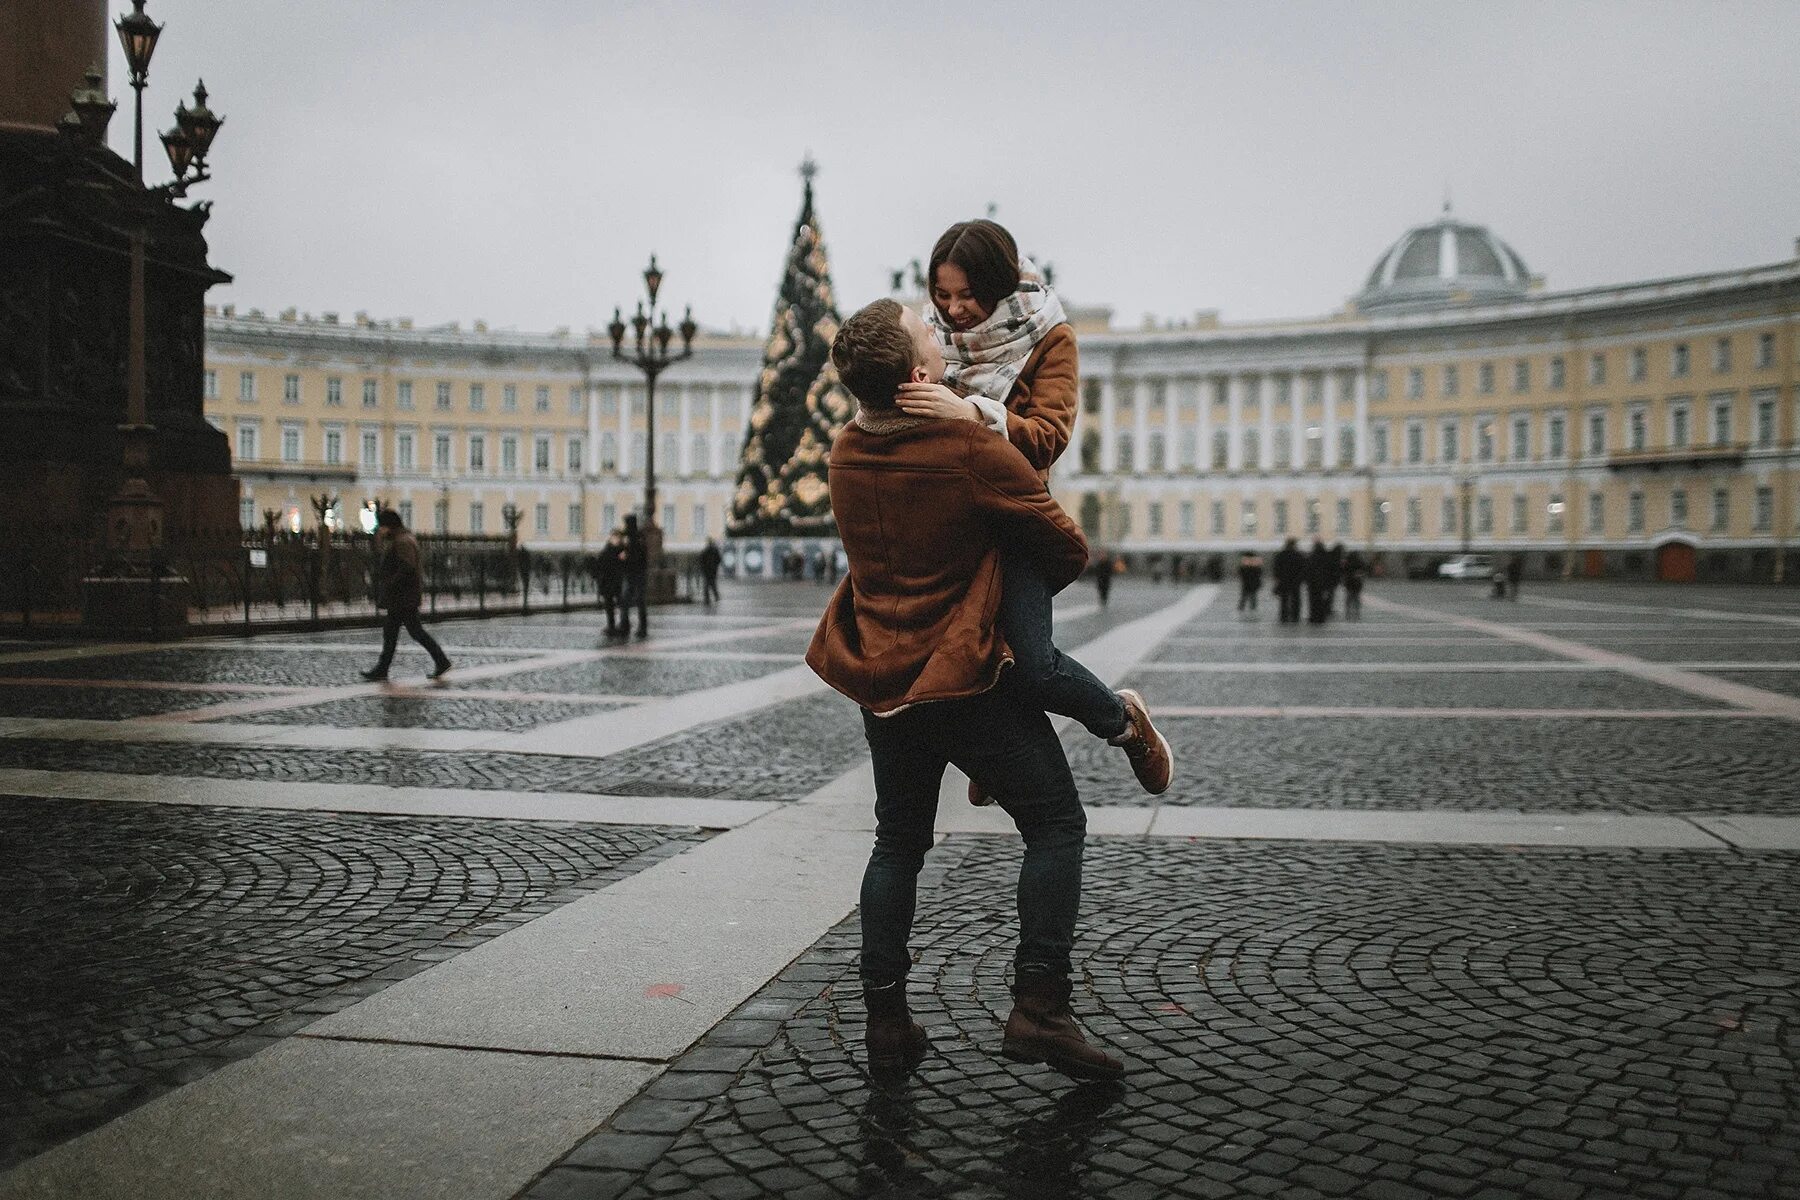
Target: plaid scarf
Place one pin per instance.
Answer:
(988, 358)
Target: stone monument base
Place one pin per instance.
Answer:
(134, 605)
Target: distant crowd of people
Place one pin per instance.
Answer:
(1317, 575)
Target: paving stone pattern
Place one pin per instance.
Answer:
(632, 676)
(1662, 765)
(748, 758)
(1786, 683)
(105, 704)
(148, 944)
(1391, 1023)
(1420, 689)
(441, 710)
(1296, 647)
(293, 668)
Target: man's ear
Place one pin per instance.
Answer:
(918, 376)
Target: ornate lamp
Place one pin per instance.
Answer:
(138, 34)
(92, 107)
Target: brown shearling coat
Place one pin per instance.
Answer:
(922, 509)
(1040, 410)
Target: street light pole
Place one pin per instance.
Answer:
(650, 354)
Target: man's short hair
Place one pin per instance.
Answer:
(873, 353)
(389, 518)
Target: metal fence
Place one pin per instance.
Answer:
(302, 581)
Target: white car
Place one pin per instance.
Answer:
(1467, 566)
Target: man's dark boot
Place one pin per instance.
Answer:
(375, 674)
(1148, 751)
(895, 1042)
(1041, 1029)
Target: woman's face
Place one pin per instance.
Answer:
(950, 292)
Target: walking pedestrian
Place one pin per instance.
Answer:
(635, 561)
(400, 590)
(1290, 570)
(710, 558)
(1355, 571)
(1250, 573)
(1318, 576)
(1515, 571)
(1334, 577)
(609, 578)
(1103, 577)
(911, 637)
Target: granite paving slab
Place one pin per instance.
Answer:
(226, 664)
(148, 944)
(1662, 765)
(1368, 1021)
(634, 676)
(1436, 689)
(441, 710)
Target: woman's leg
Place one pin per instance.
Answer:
(1045, 676)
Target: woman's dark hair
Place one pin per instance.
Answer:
(389, 519)
(986, 253)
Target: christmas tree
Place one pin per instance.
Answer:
(800, 405)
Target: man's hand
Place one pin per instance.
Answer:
(935, 400)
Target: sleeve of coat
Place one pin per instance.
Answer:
(1022, 512)
(1041, 413)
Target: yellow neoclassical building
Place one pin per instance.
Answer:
(1640, 430)
(451, 425)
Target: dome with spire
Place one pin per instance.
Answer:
(1445, 262)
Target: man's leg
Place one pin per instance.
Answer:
(640, 594)
(1055, 682)
(416, 628)
(909, 766)
(390, 638)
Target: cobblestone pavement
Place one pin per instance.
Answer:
(103, 703)
(148, 944)
(639, 676)
(1301, 649)
(1301, 1021)
(428, 712)
(195, 664)
(1417, 689)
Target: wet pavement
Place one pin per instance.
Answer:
(213, 847)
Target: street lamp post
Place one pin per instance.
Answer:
(1465, 480)
(650, 354)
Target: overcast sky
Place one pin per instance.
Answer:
(518, 160)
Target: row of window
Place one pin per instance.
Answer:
(1637, 368)
(707, 452)
(1452, 515)
(1518, 433)
(701, 403)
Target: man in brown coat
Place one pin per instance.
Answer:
(922, 506)
(400, 590)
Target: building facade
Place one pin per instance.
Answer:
(1644, 430)
(1636, 431)
(452, 425)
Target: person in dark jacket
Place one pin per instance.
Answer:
(1103, 575)
(1355, 571)
(710, 558)
(400, 590)
(1250, 573)
(1318, 582)
(1334, 577)
(1290, 570)
(609, 577)
(636, 559)
(1515, 571)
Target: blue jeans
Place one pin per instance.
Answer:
(1043, 675)
(1004, 742)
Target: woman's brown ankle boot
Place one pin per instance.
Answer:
(1041, 1029)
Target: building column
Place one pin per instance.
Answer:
(1203, 401)
(624, 463)
(684, 453)
(1360, 384)
(1109, 436)
(1265, 412)
(1234, 438)
(1328, 390)
(590, 406)
(1297, 417)
(715, 454)
(1171, 425)
(1140, 424)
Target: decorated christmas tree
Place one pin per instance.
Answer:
(800, 405)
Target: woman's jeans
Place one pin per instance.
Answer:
(1005, 743)
(1043, 675)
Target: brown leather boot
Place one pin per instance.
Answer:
(977, 797)
(1041, 1029)
(894, 1042)
(1151, 759)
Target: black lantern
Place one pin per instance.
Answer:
(180, 148)
(688, 328)
(617, 330)
(652, 279)
(138, 34)
(199, 123)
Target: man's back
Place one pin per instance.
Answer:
(921, 507)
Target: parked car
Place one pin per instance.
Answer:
(1466, 566)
